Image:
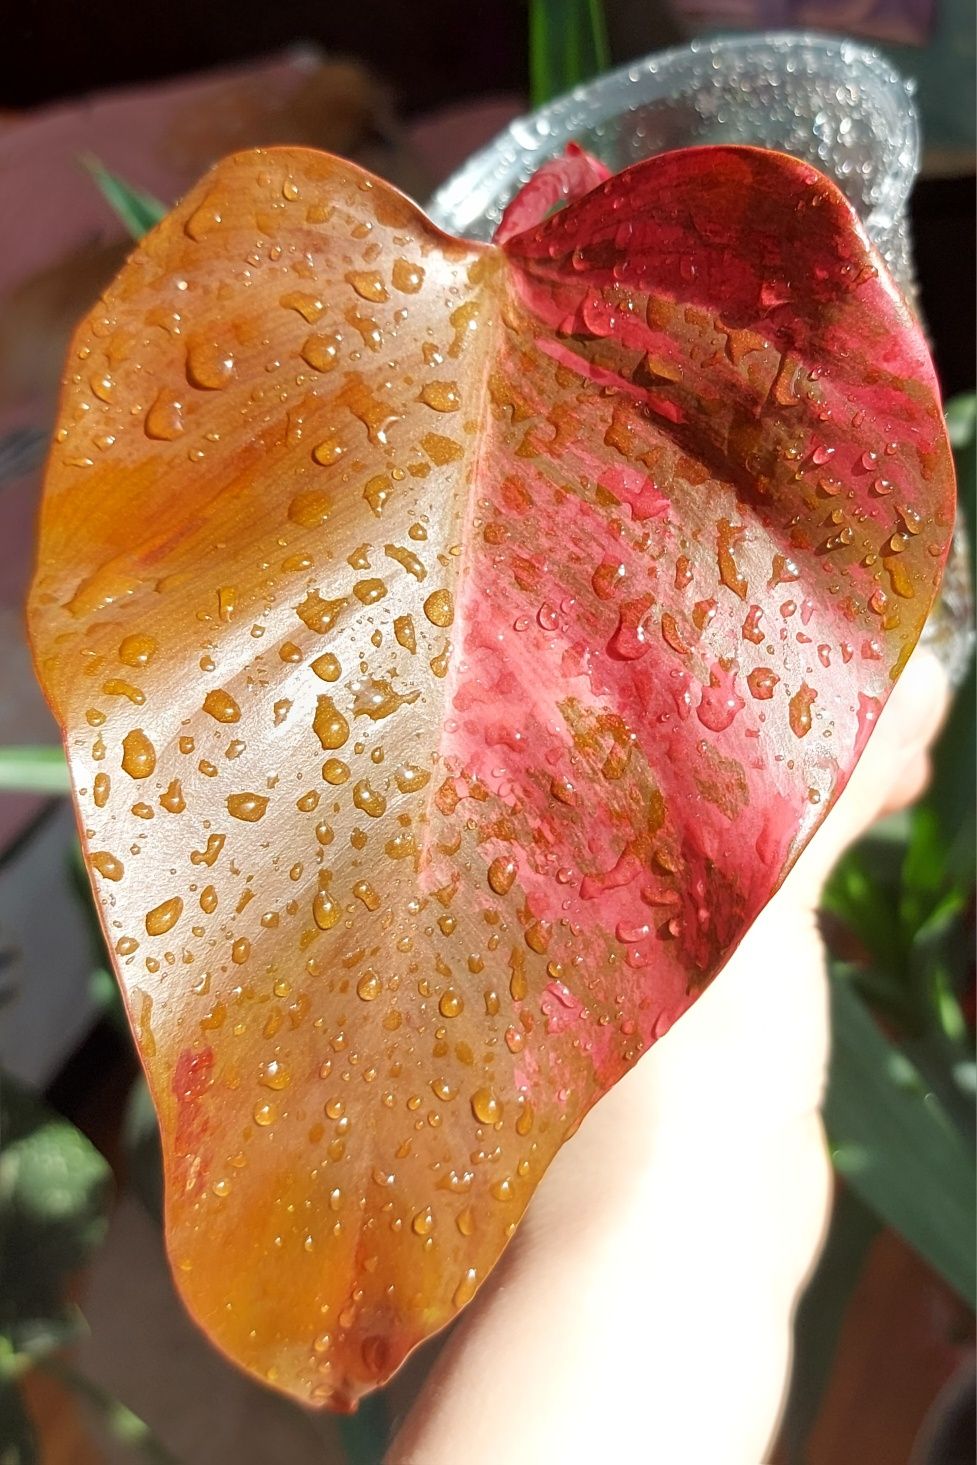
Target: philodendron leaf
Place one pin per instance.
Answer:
(456, 644)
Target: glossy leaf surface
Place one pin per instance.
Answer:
(455, 646)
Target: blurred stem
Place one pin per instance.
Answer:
(34, 770)
(117, 1418)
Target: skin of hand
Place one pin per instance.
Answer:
(643, 1310)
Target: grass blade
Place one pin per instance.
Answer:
(894, 1144)
(567, 45)
(138, 210)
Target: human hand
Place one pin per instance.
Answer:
(643, 1310)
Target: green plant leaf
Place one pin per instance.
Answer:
(821, 1315)
(144, 1157)
(567, 45)
(953, 791)
(961, 419)
(893, 1142)
(863, 892)
(952, 794)
(117, 1418)
(104, 993)
(28, 1340)
(34, 770)
(366, 1433)
(928, 887)
(54, 1191)
(138, 210)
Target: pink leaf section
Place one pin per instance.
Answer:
(558, 181)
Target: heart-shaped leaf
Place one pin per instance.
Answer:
(455, 646)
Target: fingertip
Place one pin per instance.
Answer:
(892, 772)
(910, 785)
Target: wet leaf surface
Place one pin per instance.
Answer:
(455, 646)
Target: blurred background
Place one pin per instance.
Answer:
(105, 108)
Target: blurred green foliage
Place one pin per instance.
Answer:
(54, 1193)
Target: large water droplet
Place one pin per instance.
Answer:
(247, 806)
(407, 278)
(325, 911)
(720, 702)
(486, 1107)
(368, 285)
(329, 724)
(138, 754)
(439, 608)
(799, 713)
(172, 800)
(222, 706)
(163, 918)
(441, 396)
(761, 682)
(501, 874)
(107, 865)
(210, 365)
(137, 650)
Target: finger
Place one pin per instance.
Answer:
(890, 774)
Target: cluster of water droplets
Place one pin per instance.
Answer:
(837, 105)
